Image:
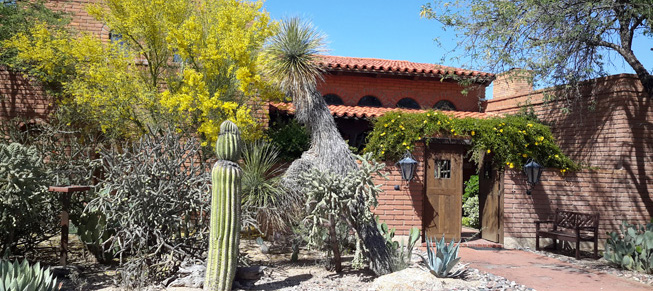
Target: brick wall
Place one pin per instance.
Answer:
(22, 97)
(402, 209)
(610, 193)
(607, 129)
(427, 92)
(80, 20)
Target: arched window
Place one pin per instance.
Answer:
(333, 99)
(370, 101)
(444, 105)
(409, 103)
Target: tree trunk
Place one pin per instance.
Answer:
(335, 248)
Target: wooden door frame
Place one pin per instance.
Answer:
(496, 183)
(450, 142)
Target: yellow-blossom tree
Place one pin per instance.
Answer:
(193, 63)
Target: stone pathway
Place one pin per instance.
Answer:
(543, 273)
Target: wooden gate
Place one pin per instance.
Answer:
(444, 190)
(491, 203)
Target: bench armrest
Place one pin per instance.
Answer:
(538, 222)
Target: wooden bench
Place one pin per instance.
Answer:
(572, 227)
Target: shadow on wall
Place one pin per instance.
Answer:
(21, 97)
(610, 133)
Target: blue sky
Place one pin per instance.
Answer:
(393, 30)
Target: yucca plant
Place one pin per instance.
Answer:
(262, 195)
(442, 258)
(25, 277)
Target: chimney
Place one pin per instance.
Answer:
(514, 82)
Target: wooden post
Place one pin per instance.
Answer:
(66, 193)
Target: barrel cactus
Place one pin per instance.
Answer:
(225, 211)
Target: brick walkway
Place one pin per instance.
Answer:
(543, 273)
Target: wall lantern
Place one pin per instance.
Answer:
(533, 172)
(407, 167)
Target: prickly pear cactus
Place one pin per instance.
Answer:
(225, 211)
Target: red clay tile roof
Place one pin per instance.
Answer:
(368, 65)
(372, 112)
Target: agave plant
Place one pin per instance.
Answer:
(442, 258)
(23, 277)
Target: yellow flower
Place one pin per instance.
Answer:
(563, 170)
(529, 125)
(511, 165)
(424, 121)
(452, 130)
(541, 138)
(501, 130)
(489, 151)
(404, 143)
(556, 156)
(385, 125)
(524, 155)
(473, 133)
(407, 147)
(383, 133)
(494, 128)
(536, 143)
(392, 120)
(438, 122)
(428, 114)
(382, 152)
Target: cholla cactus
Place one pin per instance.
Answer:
(225, 211)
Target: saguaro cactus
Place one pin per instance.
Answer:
(225, 211)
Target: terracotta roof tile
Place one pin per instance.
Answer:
(362, 112)
(369, 65)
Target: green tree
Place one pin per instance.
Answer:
(562, 41)
(193, 63)
(19, 17)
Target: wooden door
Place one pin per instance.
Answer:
(444, 192)
(491, 204)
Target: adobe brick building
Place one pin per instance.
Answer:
(609, 132)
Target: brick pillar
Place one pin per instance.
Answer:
(512, 83)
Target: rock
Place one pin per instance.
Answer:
(190, 276)
(407, 279)
(250, 273)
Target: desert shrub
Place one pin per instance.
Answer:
(262, 197)
(154, 199)
(470, 209)
(70, 156)
(470, 203)
(27, 210)
(333, 200)
(633, 249)
(290, 137)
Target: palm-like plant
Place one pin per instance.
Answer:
(260, 185)
(292, 56)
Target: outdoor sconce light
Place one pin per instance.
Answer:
(407, 167)
(533, 172)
